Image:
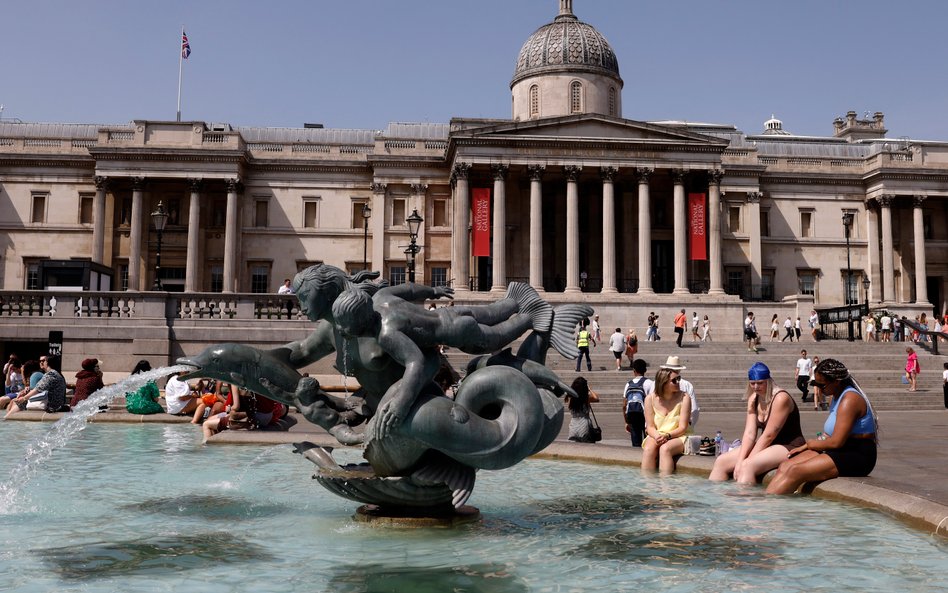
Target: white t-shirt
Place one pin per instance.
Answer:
(944, 375)
(688, 388)
(787, 324)
(886, 322)
(814, 320)
(176, 394)
(285, 290)
(617, 342)
(804, 366)
(694, 322)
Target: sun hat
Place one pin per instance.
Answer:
(673, 363)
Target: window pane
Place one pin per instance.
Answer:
(32, 276)
(259, 279)
(438, 276)
(217, 278)
(396, 275)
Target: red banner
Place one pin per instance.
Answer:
(697, 227)
(480, 221)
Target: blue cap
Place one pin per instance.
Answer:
(758, 372)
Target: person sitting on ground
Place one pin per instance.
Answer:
(31, 376)
(13, 382)
(88, 381)
(48, 395)
(667, 410)
(579, 409)
(207, 405)
(180, 399)
(850, 444)
(773, 415)
(144, 400)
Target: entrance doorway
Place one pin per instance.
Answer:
(663, 267)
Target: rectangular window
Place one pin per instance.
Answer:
(85, 209)
(259, 278)
(217, 278)
(358, 207)
(174, 211)
(807, 280)
(806, 223)
(123, 275)
(850, 290)
(396, 275)
(310, 214)
(38, 214)
(735, 282)
(398, 211)
(261, 213)
(734, 219)
(33, 275)
(439, 213)
(218, 212)
(438, 276)
(765, 223)
(767, 285)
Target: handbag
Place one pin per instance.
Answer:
(595, 431)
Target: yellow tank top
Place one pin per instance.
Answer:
(667, 423)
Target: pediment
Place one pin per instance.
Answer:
(591, 128)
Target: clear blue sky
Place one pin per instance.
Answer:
(363, 63)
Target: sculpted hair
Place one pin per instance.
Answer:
(353, 308)
(330, 279)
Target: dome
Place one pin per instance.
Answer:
(566, 45)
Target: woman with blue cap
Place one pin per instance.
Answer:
(771, 431)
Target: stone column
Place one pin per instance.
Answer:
(462, 233)
(645, 233)
(536, 225)
(231, 231)
(192, 280)
(499, 231)
(753, 233)
(419, 191)
(377, 229)
(135, 236)
(98, 220)
(681, 233)
(888, 256)
(921, 278)
(872, 252)
(572, 228)
(608, 230)
(714, 232)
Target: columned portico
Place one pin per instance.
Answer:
(572, 228)
(714, 235)
(872, 252)
(231, 238)
(645, 232)
(462, 217)
(888, 256)
(681, 236)
(192, 264)
(608, 230)
(98, 220)
(499, 234)
(135, 236)
(921, 279)
(536, 225)
(377, 226)
(753, 224)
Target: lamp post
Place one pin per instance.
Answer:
(366, 215)
(847, 224)
(865, 285)
(160, 218)
(414, 224)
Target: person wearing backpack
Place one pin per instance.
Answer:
(633, 409)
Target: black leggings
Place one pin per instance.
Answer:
(856, 458)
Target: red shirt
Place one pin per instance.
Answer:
(680, 320)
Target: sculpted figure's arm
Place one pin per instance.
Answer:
(418, 293)
(394, 407)
(320, 343)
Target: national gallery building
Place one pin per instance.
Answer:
(567, 194)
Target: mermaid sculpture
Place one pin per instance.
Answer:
(423, 448)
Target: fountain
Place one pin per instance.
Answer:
(422, 448)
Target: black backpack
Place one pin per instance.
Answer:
(634, 397)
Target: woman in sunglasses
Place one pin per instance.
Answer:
(667, 410)
(849, 448)
(773, 414)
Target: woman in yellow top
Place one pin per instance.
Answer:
(667, 410)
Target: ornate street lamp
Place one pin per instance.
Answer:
(865, 286)
(847, 224)
(414, 225)
(159, 218)
(366, 215)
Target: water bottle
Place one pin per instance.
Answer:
(718, 440)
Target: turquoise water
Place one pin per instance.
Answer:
(148, 508)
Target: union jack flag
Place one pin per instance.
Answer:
(185, 46)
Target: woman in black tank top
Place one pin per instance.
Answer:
(772, 428)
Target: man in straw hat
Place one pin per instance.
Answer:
(674, 363)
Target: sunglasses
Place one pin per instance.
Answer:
(676, 380)
(820, 385)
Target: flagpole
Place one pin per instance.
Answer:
(180, 64)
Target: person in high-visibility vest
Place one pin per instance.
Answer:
(583, 338)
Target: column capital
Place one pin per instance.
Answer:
(643, 173)
(379, 188)
(886, 200)
(138, 183)
(499, 172)
(535, 172)
(608, 174)
(234, 185)
(715, 176)
(101, 182)
(918, 199)
(753, 197)
(678, 175)
(572, 172)
(461, 170)
(419, 189)
(195, 183)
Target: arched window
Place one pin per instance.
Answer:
(534, 101)
(576, 97)
(612, 100)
